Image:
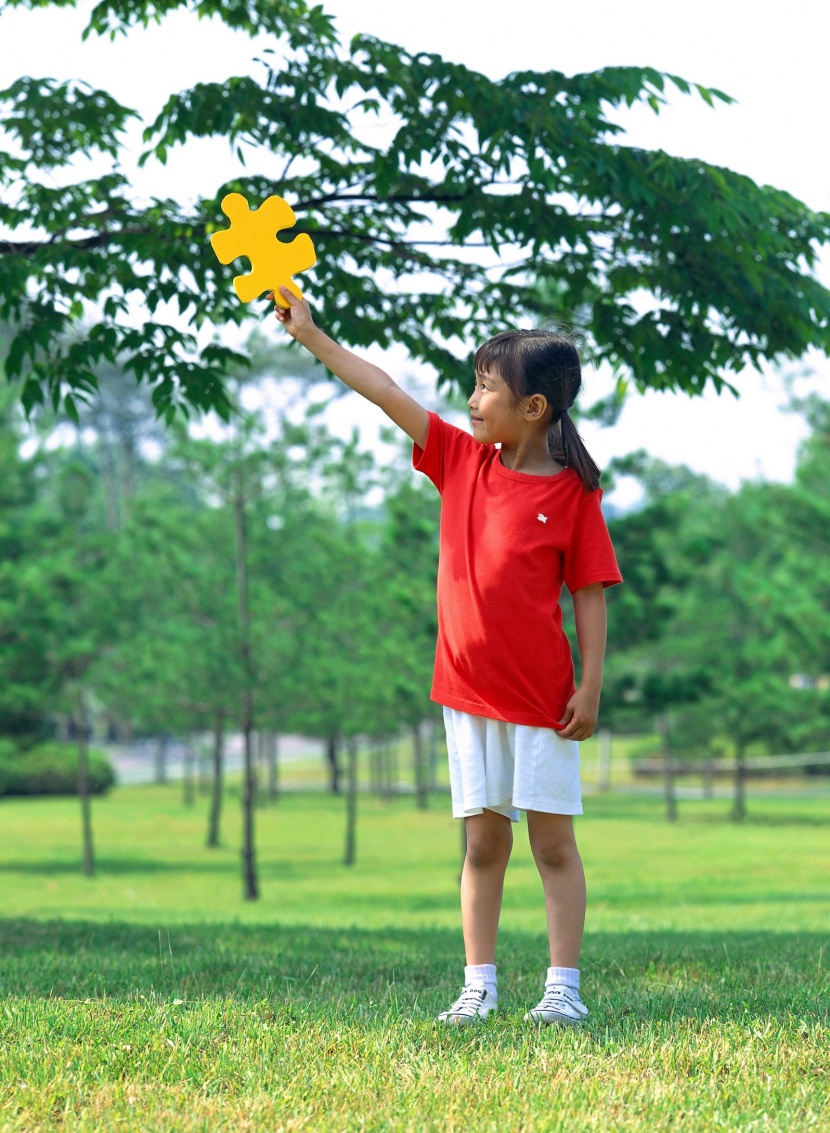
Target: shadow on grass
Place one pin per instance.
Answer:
(752, 820)
(632, 978)
(704, 894)
(133, 864)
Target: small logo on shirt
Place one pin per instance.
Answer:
(542, 518)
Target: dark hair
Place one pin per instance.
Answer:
(545, 362)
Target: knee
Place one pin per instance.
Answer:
(485, 853)
(555, 853)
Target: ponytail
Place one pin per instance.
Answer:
(568, 447)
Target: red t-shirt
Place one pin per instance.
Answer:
(508, 542)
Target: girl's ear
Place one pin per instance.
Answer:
(536, 407)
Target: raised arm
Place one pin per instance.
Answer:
(369, 381)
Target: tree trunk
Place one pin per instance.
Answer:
(421, 785)
(604, 761)
(161, 759)
(273, 768)
(250, 886)
(708, 779)
(188, 768)
(385, 773)
(216, 792)
(351, 800)
(83, 790)
(260, 757)
(739, 802)
(109, 476)
(376, 767)
(204, 770)
(249, 873)
(432, 754)
(333, 759)
(668, 774)
(392, 770)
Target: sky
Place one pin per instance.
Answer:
(771, 59)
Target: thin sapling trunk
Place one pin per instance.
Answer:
(249, 872)
(351, 801)
(188, 773)
(216, 784)
(83, 789)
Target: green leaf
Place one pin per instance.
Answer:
(489, 203)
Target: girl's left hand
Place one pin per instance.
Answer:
(581, 714)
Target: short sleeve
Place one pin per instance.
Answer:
(590, 555)
(445, 449)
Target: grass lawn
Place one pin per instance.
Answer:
(153, 998)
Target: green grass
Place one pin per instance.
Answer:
(153, 998)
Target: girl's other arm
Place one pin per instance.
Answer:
(369, 381)
(591, 626)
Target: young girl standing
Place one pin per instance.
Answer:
(520, 515)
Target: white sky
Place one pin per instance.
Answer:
(772, 59)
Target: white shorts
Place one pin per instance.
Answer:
(510, 767)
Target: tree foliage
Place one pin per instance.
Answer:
(738, 652)
(488, 202)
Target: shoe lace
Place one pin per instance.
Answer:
(471, 998)
(554, 995)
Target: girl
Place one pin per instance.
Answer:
(520, 515)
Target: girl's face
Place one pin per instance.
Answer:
(494, 415)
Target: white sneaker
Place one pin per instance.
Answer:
(470, 1006)
(559, 1005)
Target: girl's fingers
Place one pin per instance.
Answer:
(289, 310)
(576, 728)
(281, 313)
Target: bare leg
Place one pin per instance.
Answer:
(563, 879)
(489, 842)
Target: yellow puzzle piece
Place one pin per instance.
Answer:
(253, 233)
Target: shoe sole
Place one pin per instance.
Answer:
(461, 1020)
(563, 1020)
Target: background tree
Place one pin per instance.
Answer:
(733, 627)
(724, 604)
(175, 671)
(410, 559)
(660, 544)
(807, 573)
(62, 604)
(24, 679)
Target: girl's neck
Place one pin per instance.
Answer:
(530, 455)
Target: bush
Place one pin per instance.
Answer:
(50, 769)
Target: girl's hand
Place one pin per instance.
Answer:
(581, 714)
(296, 318)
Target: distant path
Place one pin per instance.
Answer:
(136, 763)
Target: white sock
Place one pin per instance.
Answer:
(563, 977)
(482, 975)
